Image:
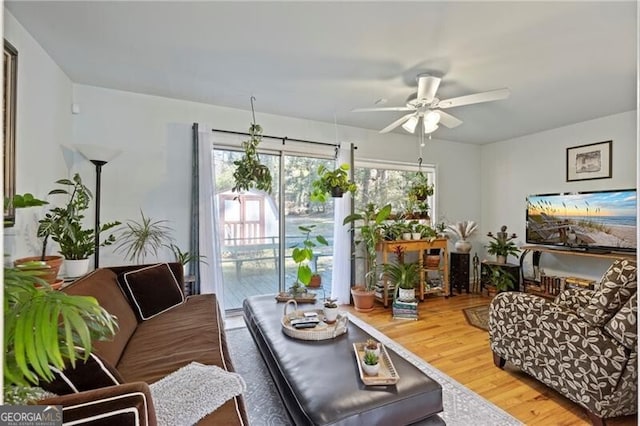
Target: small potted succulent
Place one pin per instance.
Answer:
(371, 365)
(334, 182)
(330, 310)
(372, 346)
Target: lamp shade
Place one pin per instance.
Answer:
(97, 152)
(410, 124)
(431, 121)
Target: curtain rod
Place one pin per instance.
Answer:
(284, 139)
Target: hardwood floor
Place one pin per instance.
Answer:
(443, 338)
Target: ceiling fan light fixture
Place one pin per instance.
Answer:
(430, 128)
(410, 124)
(432, 118)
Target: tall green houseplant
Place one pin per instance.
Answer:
(66, 325)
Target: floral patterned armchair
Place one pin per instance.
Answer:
(583, 344)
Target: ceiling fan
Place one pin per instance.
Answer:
(424, 105)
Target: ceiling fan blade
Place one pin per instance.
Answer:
(427, 87)
(396, 123)
(449, 120)
(403, 108)
(492, 95)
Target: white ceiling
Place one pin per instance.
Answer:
(564, 62)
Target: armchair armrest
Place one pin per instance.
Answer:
(126, 404)
(573, 298)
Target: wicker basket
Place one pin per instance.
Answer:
(322, 331)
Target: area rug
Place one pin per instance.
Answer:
(478, 316)
(461, 406)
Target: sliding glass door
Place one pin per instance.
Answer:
(256, 250)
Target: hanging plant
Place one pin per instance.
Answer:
(250, 172)
(334, 182)
(420, 189)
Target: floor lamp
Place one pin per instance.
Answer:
(99, 156)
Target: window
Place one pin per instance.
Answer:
(383, 182)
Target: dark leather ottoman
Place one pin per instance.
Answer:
(319, 381)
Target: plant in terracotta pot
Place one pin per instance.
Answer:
(332, 182)
(462, 231)
(369, 234)
(302, 255)
(502, 245)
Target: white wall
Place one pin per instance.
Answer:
(153, 172)
(535, 164)
(43, 123)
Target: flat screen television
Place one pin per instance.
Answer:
(598, 221)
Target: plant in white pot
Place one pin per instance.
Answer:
(64, 225)
(462, 231)
(330, 310)
(371, 365)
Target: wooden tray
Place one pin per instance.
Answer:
(304, 298)
(387, 375)
(322, 331)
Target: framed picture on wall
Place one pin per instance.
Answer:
(9, 128)
(592, 161)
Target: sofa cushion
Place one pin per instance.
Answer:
(103, 285)
(617, 286)
(93, 373)
(163, 344)
(152, 290)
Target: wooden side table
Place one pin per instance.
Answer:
(459, 274)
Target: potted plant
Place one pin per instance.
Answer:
(372, 346)
(139, 239)
(184, 257)
(404, 276)
(64, 226)
(420, 188)
(462, 231)
(250, 172)
(501, 280)
(66, 326)
(370, 234)
(371, 364)
(502, 245)
(335, 182)
(302, 255)
(330, 310)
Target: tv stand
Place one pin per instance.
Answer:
(537, 251)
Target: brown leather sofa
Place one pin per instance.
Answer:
(146, 350)
(583, 344)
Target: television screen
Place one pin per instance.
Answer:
(599, 220)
